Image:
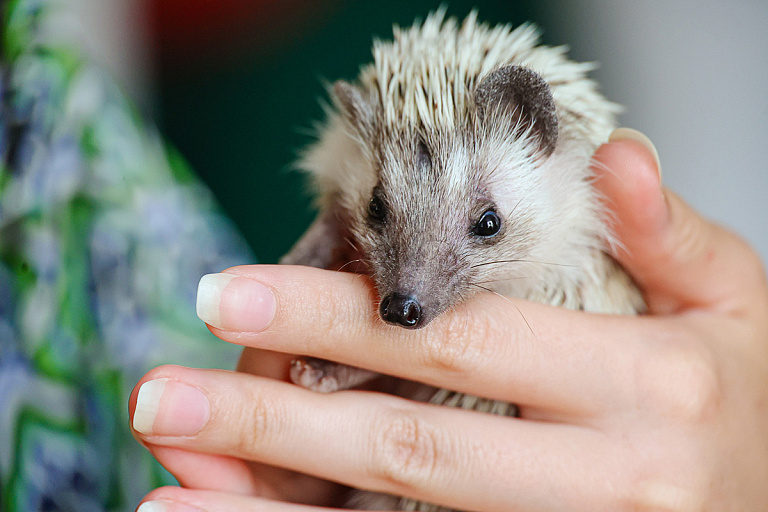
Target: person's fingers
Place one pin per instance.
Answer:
(462, 459)
(679, 259)
(505, 349)
(226, 473)
(234, 475)
(212, 472)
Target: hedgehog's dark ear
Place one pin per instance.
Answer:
(524, 98)
(355, 109)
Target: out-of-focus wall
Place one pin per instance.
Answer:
(693, 75)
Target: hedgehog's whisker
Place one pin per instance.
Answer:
(341, 268)
(514, 208)
(502, 279)
(497, 262)
(351, 243)
(511, 302)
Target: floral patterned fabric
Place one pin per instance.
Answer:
(104, 234)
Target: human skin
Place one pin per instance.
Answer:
(665, 411)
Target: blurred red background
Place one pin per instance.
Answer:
(188, 34)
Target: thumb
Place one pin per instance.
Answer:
(679, 259)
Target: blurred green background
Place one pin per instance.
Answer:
(239, 112)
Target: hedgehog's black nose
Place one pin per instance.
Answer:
(401, 310)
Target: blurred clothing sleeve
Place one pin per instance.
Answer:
(104, 234)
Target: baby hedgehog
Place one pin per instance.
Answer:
(458, 162)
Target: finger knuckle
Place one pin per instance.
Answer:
(330, 321)
(260, 424)
(661, 495)
(652, 486)
(405, 450)
(329, 312)
(457, 344)
(682, 382)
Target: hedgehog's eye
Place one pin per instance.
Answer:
(376, 209)
(488, 225)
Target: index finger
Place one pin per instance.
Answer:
(493, 347)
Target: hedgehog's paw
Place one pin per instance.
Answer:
(315, 374)
(326, 376)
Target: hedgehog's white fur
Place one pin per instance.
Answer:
(423, 83)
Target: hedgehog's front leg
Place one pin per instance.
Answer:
(325, 245)
(326, 376)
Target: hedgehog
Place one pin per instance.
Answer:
(459, 162)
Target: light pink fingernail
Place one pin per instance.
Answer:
(235, 303)
(166, 506)
(169, 408)
(637, 136)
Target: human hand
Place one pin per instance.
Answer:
(667, 411)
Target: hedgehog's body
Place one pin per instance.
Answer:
(460, 161)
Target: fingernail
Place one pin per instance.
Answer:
(630, 134)
(169, 408)
(234, 303)
(154, 506)
(166, 506)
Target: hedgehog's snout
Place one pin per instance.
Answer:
(401, 310)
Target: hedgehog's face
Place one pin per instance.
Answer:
(441, 221)
(436, 227)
